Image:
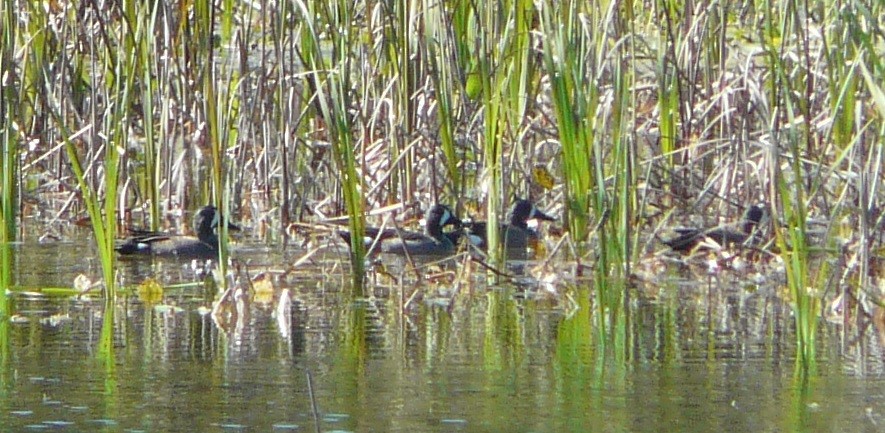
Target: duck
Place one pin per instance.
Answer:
(687, 239)
(434, 241)
(517, 233)
(204, 245)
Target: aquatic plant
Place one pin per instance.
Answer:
(643, 114)
(9, 172)
(569, 61)
(330, 81)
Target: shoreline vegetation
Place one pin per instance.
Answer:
(625, 118)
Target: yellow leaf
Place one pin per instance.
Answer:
(150, 291)
(263, 287)
(538, 248)
(543, 178)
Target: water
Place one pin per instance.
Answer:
(708, 355)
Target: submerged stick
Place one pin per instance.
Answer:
(313, 402)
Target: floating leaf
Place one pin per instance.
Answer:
(263, 288)
(82, 283)
(539, 248)
(150, 291)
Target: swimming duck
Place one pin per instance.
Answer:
(689, 238)
(432, 241)
(205, 245)
(517, 233)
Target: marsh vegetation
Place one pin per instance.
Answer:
(623, 119)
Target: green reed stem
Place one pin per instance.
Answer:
(668, 87)
(8, 175)
(8, 149)
(492, 144)
(503, 330)
(117, 73)
(400, 53)
(504, 60)
(791, 239)
(104, 223)
(622, 240)
(148, 86)
(221, 107)
(443, 81)
(8, 182)
(574, 98)
(331, 89)
(575, 351)
(6, 262)
(106, 349)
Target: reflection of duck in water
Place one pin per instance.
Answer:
(688, 239)
(516, 234)
(205, 245)
(432, 241)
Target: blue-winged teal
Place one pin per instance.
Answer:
(205, 245)
(690, 238)
(432, 241)
(517, 233)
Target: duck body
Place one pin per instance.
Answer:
(688, 239)
(150, 243)
(433, 241)
(370, 234)
(517, 234)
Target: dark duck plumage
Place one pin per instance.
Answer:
(205, 245)
(433, 241)
(690, 238)
(517, 233)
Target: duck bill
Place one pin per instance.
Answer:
(537, 214)
(449, 219)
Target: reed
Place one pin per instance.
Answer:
(330, 80)
(490, 82)
(149, 87)
(598, 152)
(519, 79)
(503, 328)
(6, 261)
(401, 90)
(790, 181)
(870, 181)
(669, 83)
(618, 218)
(575, 350)
(444, 75)
(102, 218)
(569, 62)
(106, 352)
(112, 76)
(399, 50)
(9, 175)
(221, 106)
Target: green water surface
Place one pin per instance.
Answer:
(705, 356)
